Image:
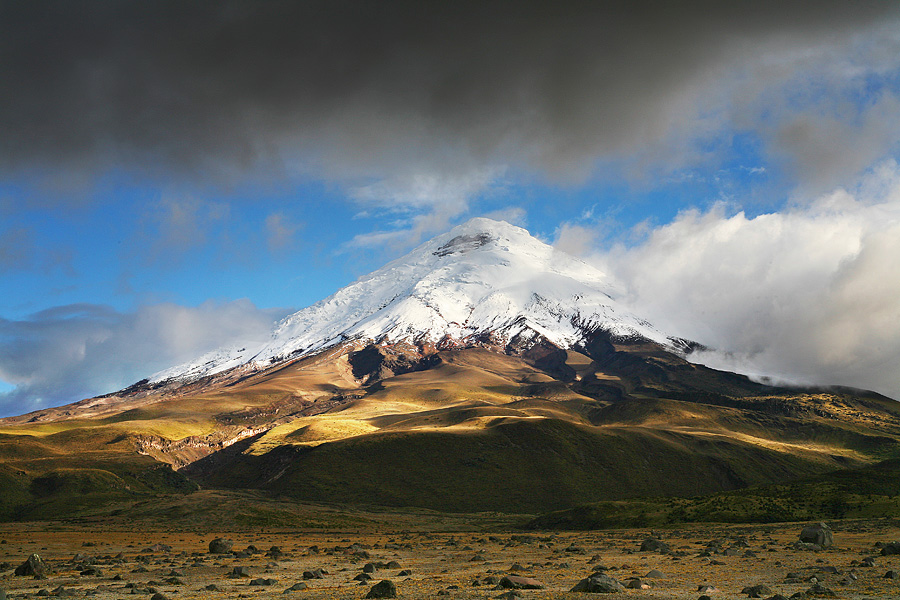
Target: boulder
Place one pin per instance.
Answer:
(383, 589)
(890, 548)
(636, 584)
(516, 582)
(654, 545)
(820, 535)
(220, 546)
(820, 591)
(598, 583)
(238, 572)
(806, 547)
(757, 591)
(34, 566)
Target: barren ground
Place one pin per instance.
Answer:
(442, 563)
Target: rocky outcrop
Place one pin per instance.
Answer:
(373, 362)
(185, 451)
(34, 566)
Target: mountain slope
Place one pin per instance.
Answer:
(484, 371)
(478, 430)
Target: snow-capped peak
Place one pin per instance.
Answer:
(482, 278)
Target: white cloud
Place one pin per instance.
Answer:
(809, 294)
(176, 225)
(375, 239)
(73, 352)
(429, 200)
(280, 231)
(577, 240)
(514, 215)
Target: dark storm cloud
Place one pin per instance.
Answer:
(225, 90)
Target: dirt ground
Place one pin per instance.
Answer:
(454, 565)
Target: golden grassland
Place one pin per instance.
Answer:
(478, 430)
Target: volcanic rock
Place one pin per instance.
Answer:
(820, 535)
(220, 546)
(517, 582)
(598, 583)
(34, 565)
(383, 589)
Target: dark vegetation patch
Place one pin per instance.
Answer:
(521, 466)
(869, 492)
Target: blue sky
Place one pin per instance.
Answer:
(135, 244)
(161, 195)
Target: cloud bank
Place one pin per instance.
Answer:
(807, 295)
(72, 352)
(381, 96)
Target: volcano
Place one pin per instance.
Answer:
(483, 284)
(483, 371)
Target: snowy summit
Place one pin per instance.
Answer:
(484, 279)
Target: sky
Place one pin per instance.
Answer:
(175, 176)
